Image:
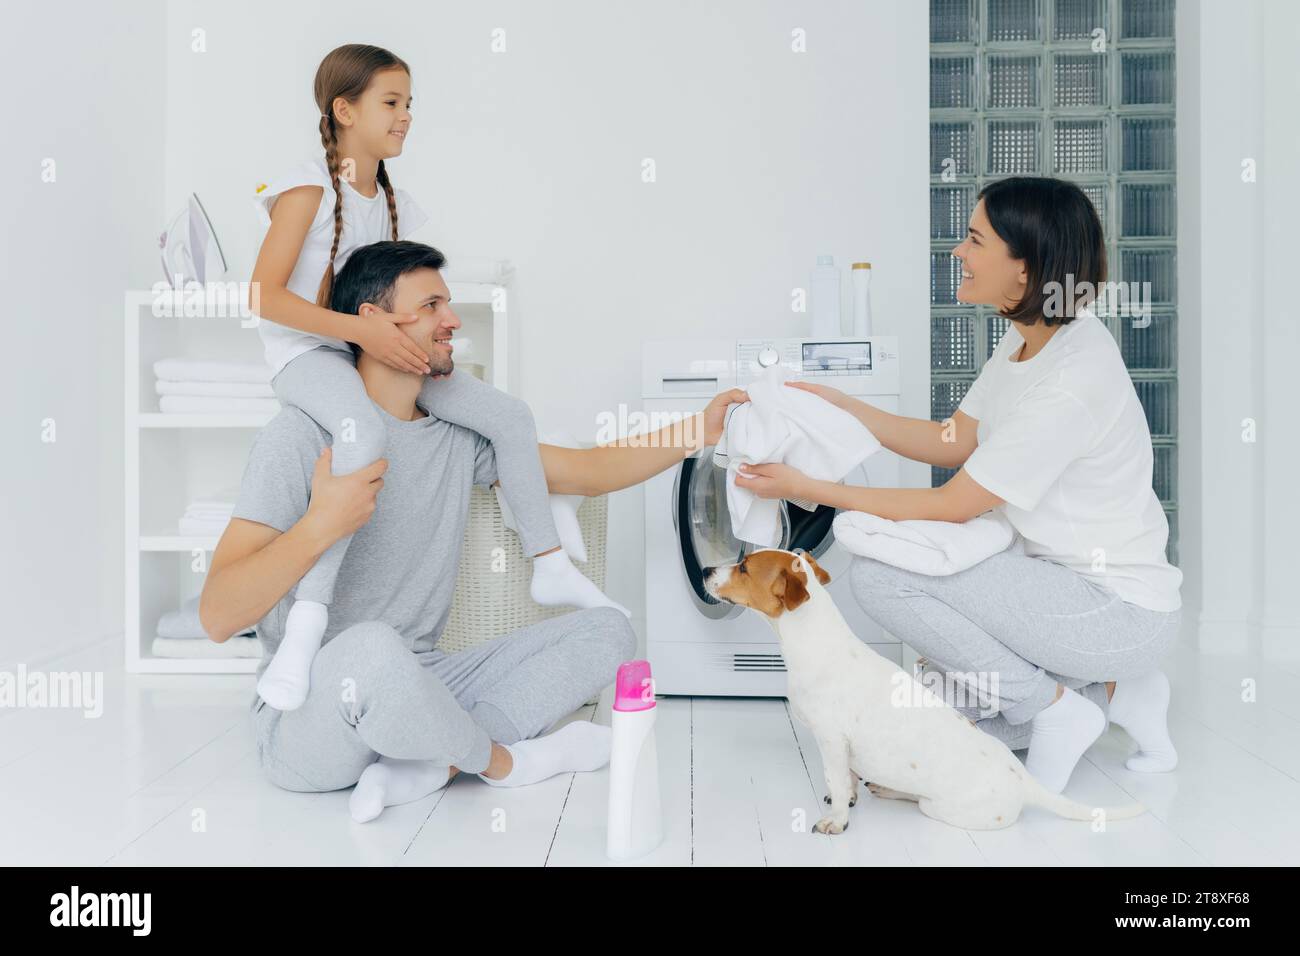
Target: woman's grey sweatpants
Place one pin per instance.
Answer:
(324, 383)
(371, 696)
(1021, 625)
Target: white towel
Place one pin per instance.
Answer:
(214, 405)
(211, 506)
(475, 269)
(231, 647)
(208, 517)
(927, 547)
(181, 369)
(781, 424)
(202, 527)
(184, 624)
(212, 514)
(229, 389)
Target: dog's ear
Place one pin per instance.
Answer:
(822, 576)
(795, 590)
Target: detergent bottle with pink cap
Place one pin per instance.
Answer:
(636, 823)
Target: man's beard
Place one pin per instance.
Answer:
(441, 366)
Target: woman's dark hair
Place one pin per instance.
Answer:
(372, 271)
(1053, 227)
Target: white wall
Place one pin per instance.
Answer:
(1278, 614)
(1238, 89)
(81, 82)
(764, 157)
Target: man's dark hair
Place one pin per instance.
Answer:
(1052, 225)
(372, 271)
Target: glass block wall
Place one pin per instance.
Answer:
(1082, 90)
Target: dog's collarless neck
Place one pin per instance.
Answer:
(797, 617)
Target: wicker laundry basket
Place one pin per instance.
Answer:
(492, 586)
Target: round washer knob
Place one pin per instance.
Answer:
(768, 357)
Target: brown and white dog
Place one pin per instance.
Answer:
(875, 721)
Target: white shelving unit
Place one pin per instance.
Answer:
(173, 459)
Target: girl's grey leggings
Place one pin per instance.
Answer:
(1019, 625)
(324, 383)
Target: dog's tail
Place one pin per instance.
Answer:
(1037, 795)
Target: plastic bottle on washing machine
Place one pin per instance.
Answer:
(862, 299)
(826, 322)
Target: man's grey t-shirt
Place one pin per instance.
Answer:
(401, 565)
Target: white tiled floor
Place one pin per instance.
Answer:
(168, 776)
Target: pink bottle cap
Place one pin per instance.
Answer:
(634, 688)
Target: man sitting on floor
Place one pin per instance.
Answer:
(387, 711)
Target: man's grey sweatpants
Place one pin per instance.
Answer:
(371, 696)
(325, 384)
(1025, 623)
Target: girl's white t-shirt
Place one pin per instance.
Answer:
(365, 220)
(1063, 440)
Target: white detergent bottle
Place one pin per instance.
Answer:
(862, 299)
(826, 321)
(636, 823)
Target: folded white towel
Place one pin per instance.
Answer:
(194, 650)
(184, 625)
(202, 527)
(475, 269)
(209, 507)
(781, 424)
(221, 500)
(213, 515)
(217, 521)
(230, 389)
(214, 405)
(180, 369)
(927, 547)
(208, 517)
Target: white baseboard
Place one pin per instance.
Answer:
(1280, 642)
(1224, 636)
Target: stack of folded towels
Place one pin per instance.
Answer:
(211, 386)
(181, 635)
(477, 269)
(208, 517)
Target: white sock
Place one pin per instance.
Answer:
(557, 582)
(388, 782)
(1141, 706)
(564, 512)
(1061, 734)
(579, 746)
(287, 679)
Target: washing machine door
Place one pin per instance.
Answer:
(704, 534)
(703, 525)
(810, 531)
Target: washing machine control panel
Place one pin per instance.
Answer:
(872, 359)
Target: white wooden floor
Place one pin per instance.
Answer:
(168, 776)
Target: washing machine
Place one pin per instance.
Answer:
(697, 645)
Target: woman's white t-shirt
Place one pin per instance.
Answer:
(1064, 442)
(365, 220)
